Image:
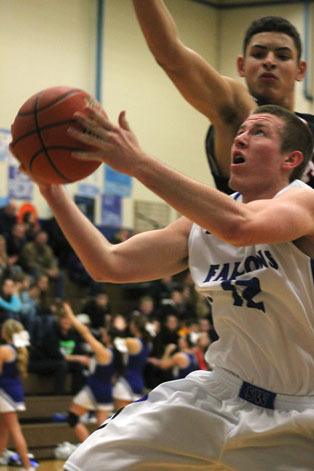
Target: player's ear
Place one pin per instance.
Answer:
(293, 160)
(240, 65)
(302, 66)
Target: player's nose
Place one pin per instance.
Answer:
(240, 140)
(269, 61)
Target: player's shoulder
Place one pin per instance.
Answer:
(295, 185)
(298, 192)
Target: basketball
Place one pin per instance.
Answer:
(40, 140)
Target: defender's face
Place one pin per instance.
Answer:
(271, 67)
(256, 155)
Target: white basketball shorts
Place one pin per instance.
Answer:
(201, 423)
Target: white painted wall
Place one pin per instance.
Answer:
(43, 43)
(166, 125)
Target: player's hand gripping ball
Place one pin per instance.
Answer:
(40, 140)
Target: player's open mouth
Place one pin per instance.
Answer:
(238, 159)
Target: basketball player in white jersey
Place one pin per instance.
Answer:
(251, 255)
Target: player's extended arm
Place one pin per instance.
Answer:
(285, 218)
(101, 352)
(282, 219)
(143, 257)
(221, 99)
(167, 361)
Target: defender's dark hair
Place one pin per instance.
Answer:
(296, 135)
(275, 24)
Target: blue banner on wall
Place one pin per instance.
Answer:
(111, 210)
(87, 189)
(5, 139)
(20, 186)
(117, 183)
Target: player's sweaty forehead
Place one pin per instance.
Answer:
(263, 120)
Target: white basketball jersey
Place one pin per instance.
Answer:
(262, 301)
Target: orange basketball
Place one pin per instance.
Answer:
(40, 140)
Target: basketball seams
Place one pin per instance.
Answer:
(44, 149)
(52, 103)
(41, 142)
(44, 128)
(48, 148)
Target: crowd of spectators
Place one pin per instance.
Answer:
(34, 260)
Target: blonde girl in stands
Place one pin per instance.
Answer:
(13, 366)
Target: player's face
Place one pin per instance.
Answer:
(271, 67)
(256, 156)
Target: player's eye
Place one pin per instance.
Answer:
(258, 132)
(283, 57)
(258, 54)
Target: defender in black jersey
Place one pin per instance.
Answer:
(270, 63)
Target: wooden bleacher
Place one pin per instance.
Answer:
(41, 431)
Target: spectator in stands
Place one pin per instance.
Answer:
(71, 345)
(146, 309)
(8, 268)
(29, 295)
(10, 302)
(131, 386)
(60, 246)
(4, 259)
(206, 325)
(8, 217)
(118, 324)
(55, 351)
(15, 242)
(180, 358)
(183, 304)
(45, 301)
(78, 274)
(168, 334)
(45, 357)
(32, 224)
(37, 259)
(97, 393)
(200, 304)
(189, 293)
(201, 346)
(13, 366)
(98, 308)
(162, 288)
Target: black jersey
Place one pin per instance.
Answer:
(222, 181)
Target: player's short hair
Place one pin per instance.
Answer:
(275, 24)
(296, 135)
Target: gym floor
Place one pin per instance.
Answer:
(45, 465)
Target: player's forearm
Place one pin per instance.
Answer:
(91, 246)
(158, 28)
(207, 207)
